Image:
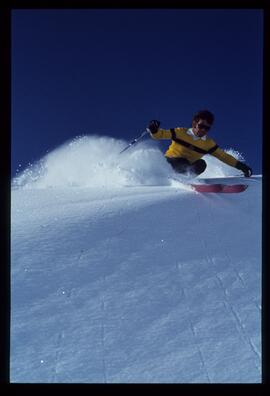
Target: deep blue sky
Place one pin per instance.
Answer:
(110, 71)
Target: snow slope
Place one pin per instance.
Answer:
(122, 275)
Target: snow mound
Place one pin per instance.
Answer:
(95, 161)
(151, 285)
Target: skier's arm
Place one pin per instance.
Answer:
(225, 157)
(161, 134)
(156, 132)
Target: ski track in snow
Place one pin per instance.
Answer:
(227, 302)
(140, 284)
(235, 312)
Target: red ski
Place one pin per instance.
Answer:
(219, 188)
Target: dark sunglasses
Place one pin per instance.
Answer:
(203, 126)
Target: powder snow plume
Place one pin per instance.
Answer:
(94, 161)
(216, 168)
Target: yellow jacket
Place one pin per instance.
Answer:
(183, 145)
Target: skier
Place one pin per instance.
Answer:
(189, 145)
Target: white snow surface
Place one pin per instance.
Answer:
(123, 274)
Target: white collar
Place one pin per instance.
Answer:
(190, 132)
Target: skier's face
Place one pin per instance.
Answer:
(200, 127)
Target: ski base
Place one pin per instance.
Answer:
(219, 188)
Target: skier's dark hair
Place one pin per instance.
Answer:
(204, 115)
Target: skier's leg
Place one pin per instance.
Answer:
(198, 167)
(180, 165)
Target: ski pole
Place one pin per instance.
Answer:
(134, 141)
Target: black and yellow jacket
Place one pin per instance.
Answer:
(184, 146)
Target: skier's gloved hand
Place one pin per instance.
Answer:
(244, 168)
(153, 126)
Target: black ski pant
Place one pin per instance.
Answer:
(182, 165)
